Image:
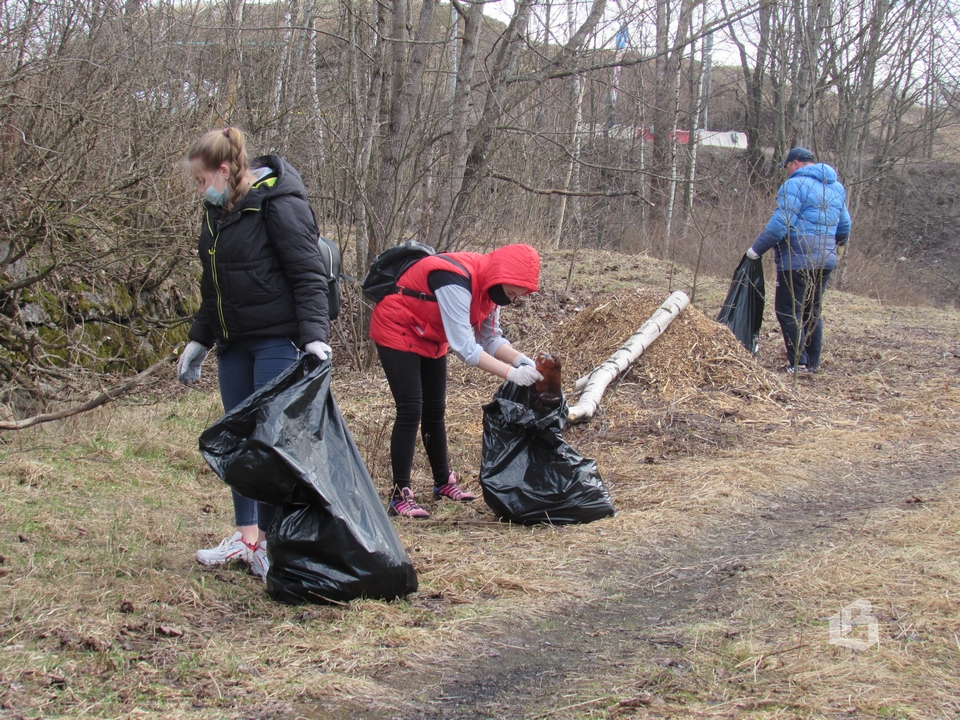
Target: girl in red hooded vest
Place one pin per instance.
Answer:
(453, 306)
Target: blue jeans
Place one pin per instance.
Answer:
(799, 306)
(245, 367)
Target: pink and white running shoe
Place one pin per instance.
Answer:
(403, 505)
(452, 491)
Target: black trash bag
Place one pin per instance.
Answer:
(742, 311)
(528, 473)
(288, 445)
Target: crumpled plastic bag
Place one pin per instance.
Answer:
(742, 311)
(288, 445)
(528, 473)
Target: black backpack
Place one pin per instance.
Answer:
(388, 266)
(330, 257)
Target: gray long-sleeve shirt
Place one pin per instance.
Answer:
(467, 344)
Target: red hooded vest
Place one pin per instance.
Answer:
(409, 324)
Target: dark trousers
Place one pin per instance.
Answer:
(799, 307)
(245, 367)
(419, 387)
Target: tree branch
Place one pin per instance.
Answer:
(102, 399)
(571, 193)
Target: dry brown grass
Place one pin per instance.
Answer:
(106, 613)
(771, 657)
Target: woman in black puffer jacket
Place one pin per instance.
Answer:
(264, 295)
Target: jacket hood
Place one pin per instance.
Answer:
(511, 264)
(821, 171)
(286, 182)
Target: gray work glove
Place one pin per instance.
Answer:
(188, 366)
(320, 349)
(752, 255)
(524, 375)
(522, 359)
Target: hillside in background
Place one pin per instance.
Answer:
(925, 201)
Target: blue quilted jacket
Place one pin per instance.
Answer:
(810, 221)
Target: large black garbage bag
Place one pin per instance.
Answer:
(288, 445)
(742, 311)
(528, 473)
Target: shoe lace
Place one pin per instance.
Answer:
(225, 544)
(451, 490)
(405, 502)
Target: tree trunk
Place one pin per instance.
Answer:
(496, 104)
(232, 61)
(397, 155)
(754, 79)
(458, 148)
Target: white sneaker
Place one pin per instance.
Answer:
(259, 563)
(230, 548)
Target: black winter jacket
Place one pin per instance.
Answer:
(262, 274)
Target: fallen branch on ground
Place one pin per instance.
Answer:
(101, 399)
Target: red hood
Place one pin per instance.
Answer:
(510, 264)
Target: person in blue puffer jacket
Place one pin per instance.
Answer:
(808, 232)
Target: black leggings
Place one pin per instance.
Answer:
(419, 387)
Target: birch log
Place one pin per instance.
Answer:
(597, 382)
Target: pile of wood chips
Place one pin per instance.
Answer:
(694, 352)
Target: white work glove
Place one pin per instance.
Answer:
(188, 366)
(524, 375)
(320, 349)
(522, 359)
(752, 255)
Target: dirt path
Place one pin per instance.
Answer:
(890, 387)
(524, 670)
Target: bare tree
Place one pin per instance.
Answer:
(445, 125)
